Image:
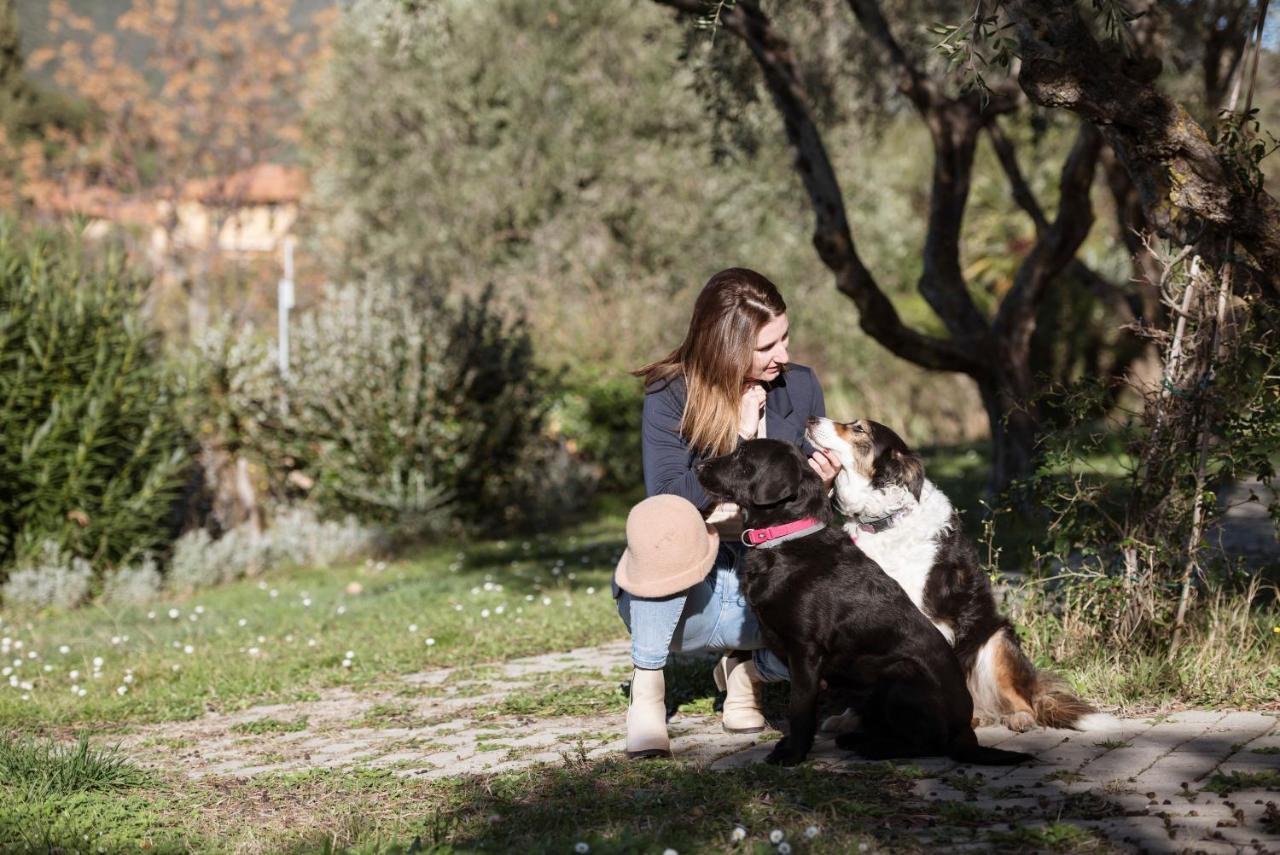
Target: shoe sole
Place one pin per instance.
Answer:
(648, 754)
(743, 729)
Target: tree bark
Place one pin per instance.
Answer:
(1183, 185)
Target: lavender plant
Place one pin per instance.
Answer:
(52, 577)
(132, 584)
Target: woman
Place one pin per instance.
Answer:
(731, 379)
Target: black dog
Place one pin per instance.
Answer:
(833, 615)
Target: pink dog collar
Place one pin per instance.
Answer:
(761, 536)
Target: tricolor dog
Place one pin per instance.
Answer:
(838, 620)
(907, 525)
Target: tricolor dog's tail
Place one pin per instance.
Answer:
(1056, 705)
(1007, 689)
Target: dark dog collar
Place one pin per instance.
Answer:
(878, 525)
(773, 535)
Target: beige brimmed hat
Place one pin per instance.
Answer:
(669, 547)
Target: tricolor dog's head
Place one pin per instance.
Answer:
(880, 472)
(769, 479)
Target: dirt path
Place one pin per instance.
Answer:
(1139, 782)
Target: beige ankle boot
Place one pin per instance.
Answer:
(647, 715)
(739, 678)
(846, 722)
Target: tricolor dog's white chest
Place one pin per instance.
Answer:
(907, 549)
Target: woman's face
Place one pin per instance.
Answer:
(770, 352)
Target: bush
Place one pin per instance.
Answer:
(91, 454)
(296, 536)
(399, 408)
(134, 584)
(600, 421)
(54, 578)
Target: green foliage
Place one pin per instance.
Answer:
(92, 456)
(398, 408)
(564, 153)
(985, 40)
(1242, 146)
(1226, 783)
(601, 418)
(1129, 540)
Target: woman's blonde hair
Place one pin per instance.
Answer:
(716, 355)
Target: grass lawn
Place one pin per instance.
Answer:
(284, 636)
(610, 805)
(292, 633)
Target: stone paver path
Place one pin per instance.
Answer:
(1140, 782)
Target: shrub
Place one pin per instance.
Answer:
(54, 578)
(134, 584)
(600, 421)
(296, 536)
(190, 568)
(91, 454)
(399, 408)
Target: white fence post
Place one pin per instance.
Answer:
(284, 302)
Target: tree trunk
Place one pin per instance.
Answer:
(1180, 177)
(1014, 429)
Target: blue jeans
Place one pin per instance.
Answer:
(711, 615)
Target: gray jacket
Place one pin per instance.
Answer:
(668, 462)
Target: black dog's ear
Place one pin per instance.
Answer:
(906, 469)
(777, 482)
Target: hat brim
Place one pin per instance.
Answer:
(639, 584)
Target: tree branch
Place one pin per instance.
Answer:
(1182, 183)
(1018, 185)
(1100, 287)
(833, 238)
(1053, 251)
(953, 127)
(921, 91)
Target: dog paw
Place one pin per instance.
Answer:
(781, 756)
(1019, 721)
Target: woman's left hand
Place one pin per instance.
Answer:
(827, 465)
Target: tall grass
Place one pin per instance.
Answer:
(1230, 654)
(44, 768)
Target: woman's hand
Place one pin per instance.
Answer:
(827, 465)
(750, 410)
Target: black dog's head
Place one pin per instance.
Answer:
(872, 451)
(769, 479)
